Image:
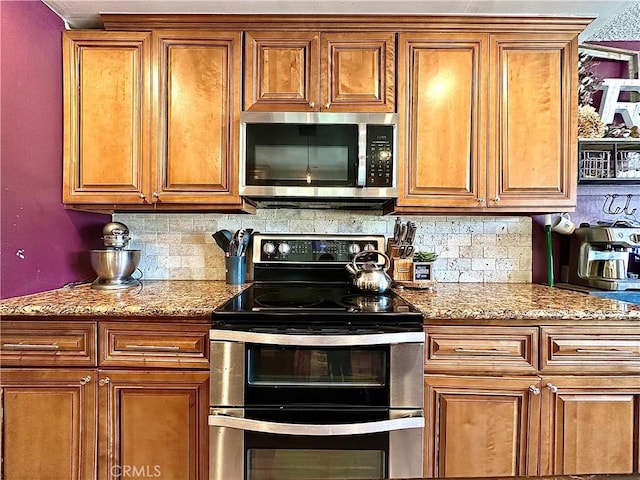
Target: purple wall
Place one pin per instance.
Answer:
(42, 245)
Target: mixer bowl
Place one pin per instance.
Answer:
(114, 267)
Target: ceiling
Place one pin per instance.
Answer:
(86, 13)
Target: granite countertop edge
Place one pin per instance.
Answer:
(524, 302)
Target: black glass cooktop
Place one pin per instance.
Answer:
(329, 304)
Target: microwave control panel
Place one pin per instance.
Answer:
(379, 156)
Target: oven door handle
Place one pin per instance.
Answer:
(317, 341)
(416, 421)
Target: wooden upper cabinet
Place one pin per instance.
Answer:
(488, 121)
(106, 111)
(195, 142)
(443, 88)
(532, 120)
(311, 71)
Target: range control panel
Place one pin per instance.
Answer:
(379, 156)
(309, 249)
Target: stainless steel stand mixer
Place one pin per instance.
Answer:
(115, 265)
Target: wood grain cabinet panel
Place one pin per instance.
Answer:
(146, 345)
(443, 90)
(481, 349)
(153, 422)
(48, 424)
(46, 343)
(107, 115)
(533, 137)
(487, 121)
(481, 426)
(293, 71)
(590, 349)
(590, 425)
(196, 146)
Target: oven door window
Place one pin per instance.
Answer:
(301, 155)
(270, 457)
(307, 375)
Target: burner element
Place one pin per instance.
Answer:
(367, 303)
(288, 299)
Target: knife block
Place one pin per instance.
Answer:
(401, 268)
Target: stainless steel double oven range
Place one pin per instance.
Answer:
(311, 379)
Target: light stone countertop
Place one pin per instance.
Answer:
(159, 298)
(449, 303)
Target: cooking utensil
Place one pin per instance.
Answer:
(397, 230)
(223, 239)
(370, 277)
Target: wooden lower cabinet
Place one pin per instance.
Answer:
(590, 425)
(48, 422)
(481, 426)
(151, 424)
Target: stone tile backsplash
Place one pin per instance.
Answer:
(471, 249)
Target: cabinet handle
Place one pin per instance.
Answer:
(155, 195)
(312, 104)
(496, 199)
(533, 389)
(103, 381)
(85, 380)
(552, 387)
(482, 351)
(327, 106)
(606, 351)
(30, 346)
(167, 348)
(143, 196)
(480, 200)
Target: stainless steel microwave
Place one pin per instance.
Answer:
(318, 155)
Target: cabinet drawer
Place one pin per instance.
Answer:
(593, 349)
(149, 345)
(48, 343)
(481, 349)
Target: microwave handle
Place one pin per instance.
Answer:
(318, 341)
(416, 421)
(361, 174)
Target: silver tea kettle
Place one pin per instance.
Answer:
(370, 277)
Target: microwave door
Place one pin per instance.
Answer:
(297, 155)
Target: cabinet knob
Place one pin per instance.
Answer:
(534, 389)
(155, 195)
(85, 380)
(103, 381)
(480, 200)
(496, 199)
(312, 104)
(327, 105)
(143, 196)
(552, 387)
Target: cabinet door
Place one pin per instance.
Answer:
(357, 72)
(590, 425)
(196, 145)
(442, 90)
(106, 113)
(153, 422)
(532, 121)
(48, 421)
(281, 71)
(481, 427)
